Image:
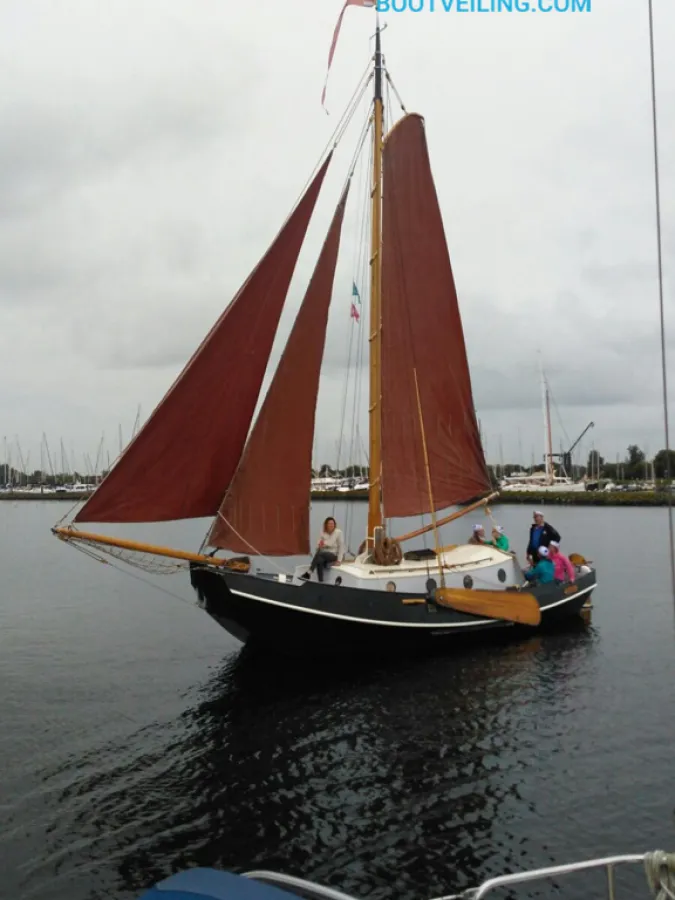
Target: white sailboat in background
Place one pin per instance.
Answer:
(548, 481)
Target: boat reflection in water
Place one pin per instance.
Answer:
(423, 775)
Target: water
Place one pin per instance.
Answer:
(137, 740)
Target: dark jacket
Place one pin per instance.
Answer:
(547, 535)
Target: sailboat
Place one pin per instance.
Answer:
(252, 474)
(546, 481)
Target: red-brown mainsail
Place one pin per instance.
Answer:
(266, 509)
(422, 329)
(181, 462)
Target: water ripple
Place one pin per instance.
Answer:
(132, 748)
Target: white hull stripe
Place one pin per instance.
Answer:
(435, 625)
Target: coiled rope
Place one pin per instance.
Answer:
(660, 869)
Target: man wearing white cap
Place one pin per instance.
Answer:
(542, 572)
(541, 535)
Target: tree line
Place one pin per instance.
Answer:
(14, 476)
(634, 467)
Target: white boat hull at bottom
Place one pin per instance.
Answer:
(352, 611)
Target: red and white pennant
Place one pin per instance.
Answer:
(368, 3)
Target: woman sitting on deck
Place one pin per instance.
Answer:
(330, 549)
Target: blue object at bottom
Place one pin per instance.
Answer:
(212, 884)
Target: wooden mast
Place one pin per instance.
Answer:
(375, 337)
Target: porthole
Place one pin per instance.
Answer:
(468, 582)
(391, 586)
(431, 585)
(338, 580)
(501, 574)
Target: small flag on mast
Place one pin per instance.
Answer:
(355, 313)
(355, 292)
(367, 3)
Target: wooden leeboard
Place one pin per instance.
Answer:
(511, 606)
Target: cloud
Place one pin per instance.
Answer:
(150, 150)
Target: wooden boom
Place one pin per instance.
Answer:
(73, 534)
(456, 515)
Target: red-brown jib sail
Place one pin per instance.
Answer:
(266, 509)
(422, 328)
(181, 462)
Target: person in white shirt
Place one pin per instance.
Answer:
(330, 549)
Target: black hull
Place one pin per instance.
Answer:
(316, 619)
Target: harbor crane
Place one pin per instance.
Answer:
(566, 457)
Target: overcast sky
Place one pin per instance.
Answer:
(150, 149)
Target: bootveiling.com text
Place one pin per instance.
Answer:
(484, 6)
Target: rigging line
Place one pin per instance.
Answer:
(249, 544)
(364, 135)
(356, 256)
(87, 551)
(356, 443)
(363, 266)
(357, 155)
(344, 401)
(354, 108)
(359, 328)
(559, 419)
(388, 117)
(84, 500)
(396, 93)
(429, 487)
(345, 397)
(358, 378)
(69, 511)
(365, 215)
(358, 373)
(358, 247)
(557, 412)
(664, 372)
(334, 139)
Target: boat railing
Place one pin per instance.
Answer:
(659, 867)
(299, 886)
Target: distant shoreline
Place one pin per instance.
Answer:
(566, 498)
